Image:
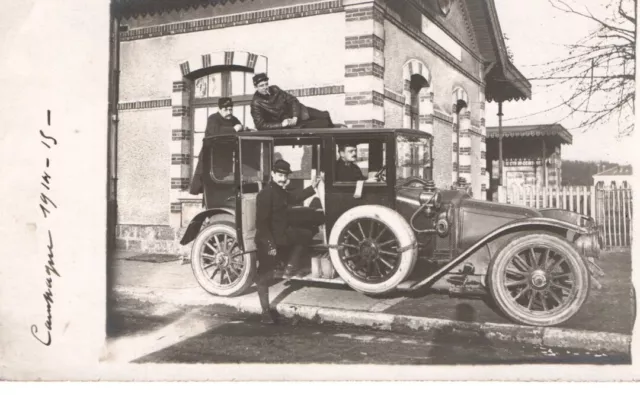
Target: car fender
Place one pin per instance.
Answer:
(196, 223)
(522, 224)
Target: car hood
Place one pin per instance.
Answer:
(464, 201)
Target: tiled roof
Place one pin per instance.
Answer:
(617, 171)
(532, 131)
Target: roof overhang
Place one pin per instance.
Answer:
(556, 131)
(504, 82)
(135, 8)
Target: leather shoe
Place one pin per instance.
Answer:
(268, 318)
(290, 270)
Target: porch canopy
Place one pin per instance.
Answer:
(553, 134)
(504, 82)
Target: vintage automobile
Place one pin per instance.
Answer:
(394, 231)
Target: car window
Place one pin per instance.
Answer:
(254, 160)
(413, 157)
(299, 156)
(222, 160)
(360, 159)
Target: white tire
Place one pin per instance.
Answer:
(216, 262)
(381, 244)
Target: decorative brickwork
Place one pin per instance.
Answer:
(441, 116)
(180, 134)
(180, 159)
(176, 207)
(143, 105)
(395, 97)
(180, 183)
(411, 68)
(184, 68)
(179, 86)
(427, 118)
(364, 41)
(243, 19)
(360, 70)
(178, 111)
(371, 123)
(324, 90)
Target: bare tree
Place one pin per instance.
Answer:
(600, 69)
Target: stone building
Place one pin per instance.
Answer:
(615, 177)
(422, 64)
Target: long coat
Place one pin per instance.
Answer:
(268, 111)
(272, 214)
(216, 124)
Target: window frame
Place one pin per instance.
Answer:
(207, 102)
(430, 141)
(383, 138)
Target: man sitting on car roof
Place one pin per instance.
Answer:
(273, 108)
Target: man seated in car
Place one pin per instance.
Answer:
(280, 236)
(346, 167)
(273, 108)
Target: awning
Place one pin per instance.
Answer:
(553, 130)
(134, 8)
(504, 82)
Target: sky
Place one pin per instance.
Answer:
(537, 33)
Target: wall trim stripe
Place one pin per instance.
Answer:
(242, 19)
(144, 104)
(298, 92)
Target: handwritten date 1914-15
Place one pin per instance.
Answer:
(46, 206)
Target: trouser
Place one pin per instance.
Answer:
(313, 118)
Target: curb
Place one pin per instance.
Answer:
(538, 336)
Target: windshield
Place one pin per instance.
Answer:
(413, 157)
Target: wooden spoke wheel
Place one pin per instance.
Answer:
(218, 263)
(373, 248)
(539, 279)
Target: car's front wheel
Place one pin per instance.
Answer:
(372, 248)
(538, 279)
(218, 263)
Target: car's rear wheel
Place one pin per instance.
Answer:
(538, 279)
(218, 263)
(373, 248)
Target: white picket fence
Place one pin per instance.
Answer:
(612, 208)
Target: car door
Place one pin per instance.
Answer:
(253, 171)
(218, 172)
(340, 196)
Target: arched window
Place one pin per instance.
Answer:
(234, 82)
(417, 83)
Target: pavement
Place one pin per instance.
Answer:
(144, 332)
(604, 323)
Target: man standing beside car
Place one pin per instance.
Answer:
(222, 122)
(273, 108)
(276, 233)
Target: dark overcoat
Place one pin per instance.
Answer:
(272, 214)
